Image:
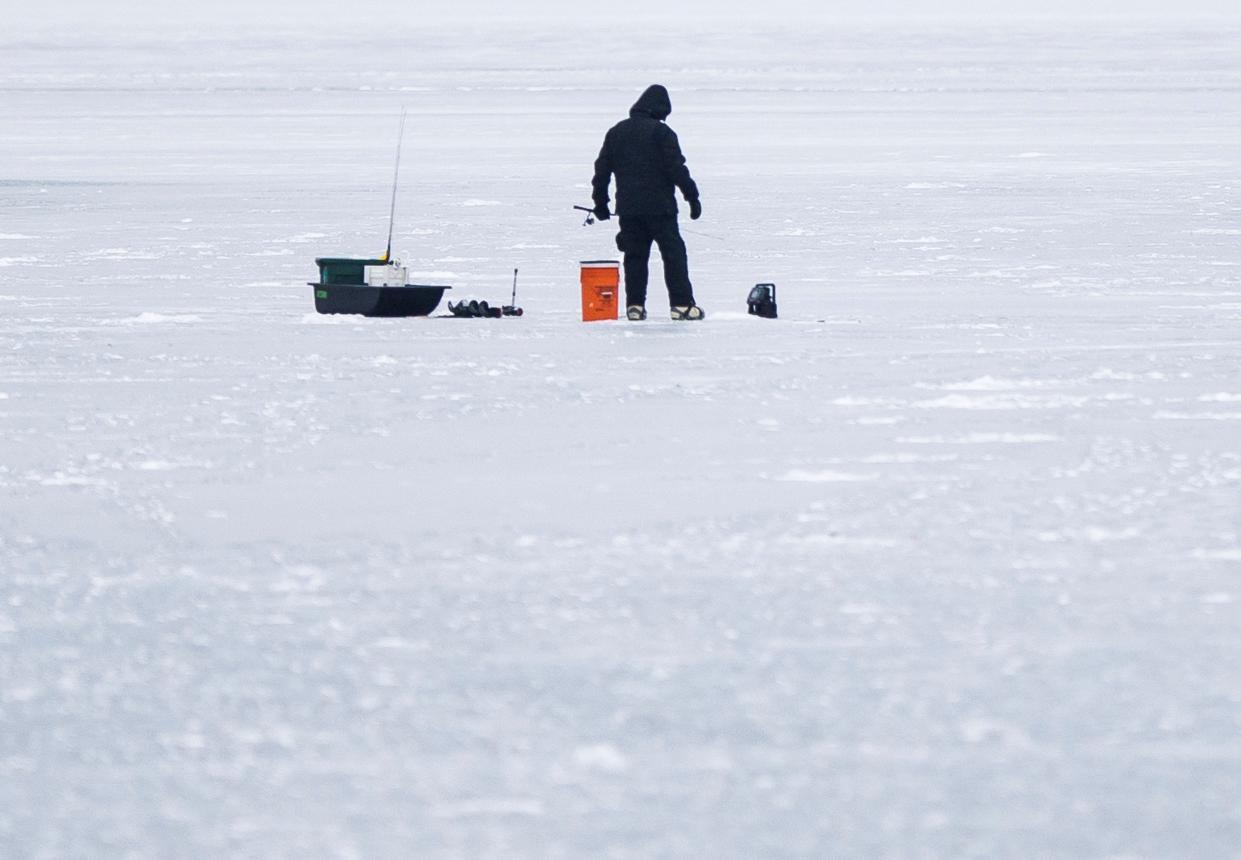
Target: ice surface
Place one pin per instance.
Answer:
(943, 563)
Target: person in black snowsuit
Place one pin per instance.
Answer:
(646, 158)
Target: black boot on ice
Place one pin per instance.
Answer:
(635, 312)
(688, 312)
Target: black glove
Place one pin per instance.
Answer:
(601, 211)
(695, 209)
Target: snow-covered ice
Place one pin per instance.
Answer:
(945, 562)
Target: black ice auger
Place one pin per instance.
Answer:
(473, 308)
(476, 308)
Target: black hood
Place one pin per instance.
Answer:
(653, 103)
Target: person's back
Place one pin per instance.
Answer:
(645, 156)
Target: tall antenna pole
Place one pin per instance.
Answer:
(396, 173)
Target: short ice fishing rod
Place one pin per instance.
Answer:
(590, 219)
(590, 215)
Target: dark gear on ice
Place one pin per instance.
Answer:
(646, 158)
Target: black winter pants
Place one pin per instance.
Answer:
(635, 238)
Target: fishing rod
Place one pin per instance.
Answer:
(396, 174)
(590, 219)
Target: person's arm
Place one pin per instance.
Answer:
(602, 179)
(675, 168)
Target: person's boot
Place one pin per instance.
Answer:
(688, 312)
(635, 312)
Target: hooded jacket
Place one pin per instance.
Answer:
(646, 158)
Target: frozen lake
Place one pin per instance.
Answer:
(946, 562)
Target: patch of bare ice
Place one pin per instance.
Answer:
(1004, 401)
(148, 318)
(981, 439)
(1217, 554)
(823, 476)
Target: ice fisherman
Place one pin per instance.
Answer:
(646, 158)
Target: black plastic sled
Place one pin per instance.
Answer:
(343, 288)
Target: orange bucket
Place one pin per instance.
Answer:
(600, 290)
